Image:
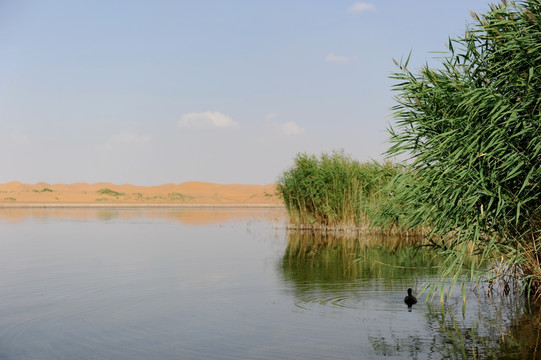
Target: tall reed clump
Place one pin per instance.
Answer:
(473, 131)
(333, 190)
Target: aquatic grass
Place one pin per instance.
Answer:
(336, 192)
(472, 132)
(322, 190)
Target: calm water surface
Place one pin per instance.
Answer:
(223, 284)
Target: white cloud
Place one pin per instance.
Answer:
(361, 7)
(207, 119)
(287, 128)
(270, 116)
(334, 58)
(291, 128)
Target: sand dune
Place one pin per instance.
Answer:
(16, 193)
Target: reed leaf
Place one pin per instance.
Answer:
(472, 132)
(333, 191)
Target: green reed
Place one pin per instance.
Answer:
(472, 129)
(334, 191)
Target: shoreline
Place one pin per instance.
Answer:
(140, 205)
(106, 195)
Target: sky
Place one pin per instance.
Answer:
(164, 91)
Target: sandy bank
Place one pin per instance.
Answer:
(190, 194)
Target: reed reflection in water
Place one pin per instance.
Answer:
(140, 284)
(363, 273)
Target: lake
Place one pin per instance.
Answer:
(229, 284)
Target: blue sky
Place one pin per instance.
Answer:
(154, 92)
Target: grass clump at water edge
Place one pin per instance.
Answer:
(336, 192)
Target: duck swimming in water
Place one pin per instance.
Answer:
(410, 299)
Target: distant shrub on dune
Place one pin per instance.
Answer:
(106, 191)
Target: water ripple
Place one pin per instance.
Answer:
(333, 299)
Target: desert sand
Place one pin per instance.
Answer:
(16, 194)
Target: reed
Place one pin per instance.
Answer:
(335, 193)
(472, 130)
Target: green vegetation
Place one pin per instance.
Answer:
(335, 191)
(156, 198)
(106, 191)
(10, 199)
(473, 132)
(42, 190)
(179, 196)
